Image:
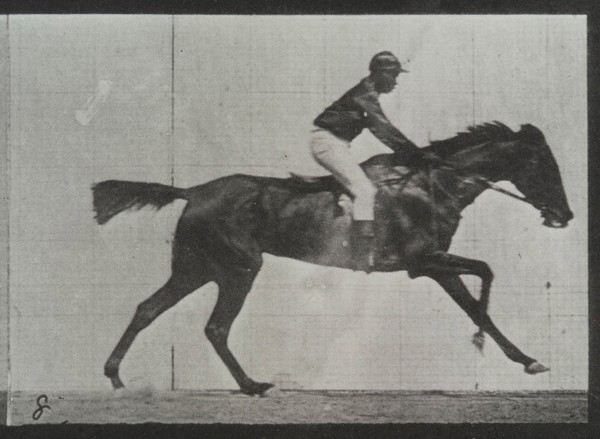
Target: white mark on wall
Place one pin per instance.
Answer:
(92, 106)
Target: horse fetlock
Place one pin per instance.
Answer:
(111, 369)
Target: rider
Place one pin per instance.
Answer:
(343, 121)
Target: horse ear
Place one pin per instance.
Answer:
(532, 133)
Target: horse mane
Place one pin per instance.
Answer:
(475, 135)
(486, 132)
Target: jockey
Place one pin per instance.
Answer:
(343, 121)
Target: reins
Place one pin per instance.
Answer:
(473, 180)
(491, 185)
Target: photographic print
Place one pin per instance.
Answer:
(296, 219)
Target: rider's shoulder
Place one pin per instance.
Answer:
(367, 85)
(365, 89)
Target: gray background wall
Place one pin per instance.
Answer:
(156, 98)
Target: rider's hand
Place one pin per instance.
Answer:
(432, 159)
(425, 159)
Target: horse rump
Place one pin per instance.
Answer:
(114, 196)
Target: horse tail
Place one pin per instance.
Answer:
(113, 196)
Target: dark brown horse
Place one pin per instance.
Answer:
(228, 223)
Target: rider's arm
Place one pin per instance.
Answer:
(382, 128)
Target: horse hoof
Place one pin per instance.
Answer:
(535, 368)
(116, 383)
(478, 341)
(270, 390)
(255, 388)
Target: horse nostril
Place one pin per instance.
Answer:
(565, 217)
(555, 217)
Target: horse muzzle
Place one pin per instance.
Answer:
(556, 219)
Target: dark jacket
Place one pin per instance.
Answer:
(359, 108)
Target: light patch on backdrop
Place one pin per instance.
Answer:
(85, 115)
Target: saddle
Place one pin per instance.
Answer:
(323, 182)
(380, 175)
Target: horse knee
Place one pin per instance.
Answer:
(487, 276)
(111, 368)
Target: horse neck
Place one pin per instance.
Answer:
(491, 161)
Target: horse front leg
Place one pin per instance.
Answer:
(455, 287)
(449, 264)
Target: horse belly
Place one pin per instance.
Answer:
(314, 229)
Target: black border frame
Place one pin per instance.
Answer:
(354, 7)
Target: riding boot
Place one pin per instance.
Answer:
(363, 251)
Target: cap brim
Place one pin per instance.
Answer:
(403, 70)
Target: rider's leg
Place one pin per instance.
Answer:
(334, 155)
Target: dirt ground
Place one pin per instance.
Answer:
(299, 407)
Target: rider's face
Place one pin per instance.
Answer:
(385, 81)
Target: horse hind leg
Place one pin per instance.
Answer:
(233, 290)
(175, 289)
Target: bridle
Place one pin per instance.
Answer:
(469, 180)
(491, 185)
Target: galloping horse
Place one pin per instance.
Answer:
(229, 222)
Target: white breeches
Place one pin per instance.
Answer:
(333, 154)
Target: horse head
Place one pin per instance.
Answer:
(497, 153)
(537, 176)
